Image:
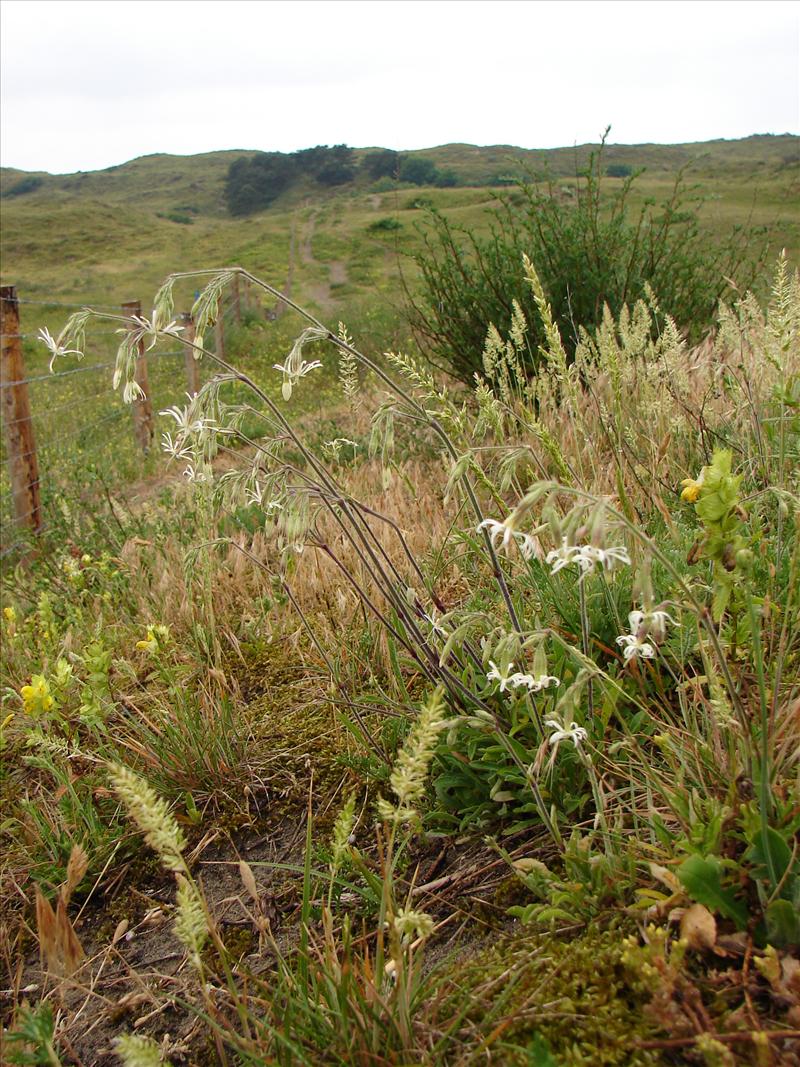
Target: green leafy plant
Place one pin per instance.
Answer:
(592, 251)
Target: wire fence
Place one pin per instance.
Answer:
(82, 432)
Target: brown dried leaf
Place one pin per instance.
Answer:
(699, 927)
(666, 877)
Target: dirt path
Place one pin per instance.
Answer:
(320, 291)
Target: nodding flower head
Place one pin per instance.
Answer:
(562, 732)
(502, 534)
(587, 557)
(634, 646)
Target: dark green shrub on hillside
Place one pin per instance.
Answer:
(328, 166)
(446, 179)
(383, 164)
(385, 225)
(252, 184)
(619, 170)
(24, 185)
(418, 171)
(589, 251)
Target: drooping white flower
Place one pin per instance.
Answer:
(56, 349)
(293, 373)
(132, 391)
(657, 623)
(495, 674)
(587, 557)
(498, 530)
(150, 329)
(634, 645)
(432, 620)
(561, 557)
(574, 733)
(502, 534)
(187, 424)
(198, 472)
(294, 367)
(535, 685)
(174, 448)
(643, 624)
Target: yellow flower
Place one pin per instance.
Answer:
(36, 698)
(10, 615)
(156, 636)
(691, 487)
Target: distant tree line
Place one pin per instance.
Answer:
(254, 182)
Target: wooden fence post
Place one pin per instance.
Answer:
(143, 424)
(15, 405)
(189, 354)
(237, 301)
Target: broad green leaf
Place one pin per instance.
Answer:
(701, 878)
(783, 924)
(769, 850)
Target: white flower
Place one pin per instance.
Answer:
(634, 645)
(176, 448)
(497, 530)
(333, 449)
(587, 557)
(256, 496)
(496, 675)
(433, 621)
(657, 623)
(574, 733)
(55, 348)
(527, 546)
(642, 624)
(198, 473)
(150, 328)
(535, 685)
(292, 373)
(294, 367)
(132, 391)
(185, 423)
(561, 557)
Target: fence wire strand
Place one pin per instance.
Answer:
(60, 454)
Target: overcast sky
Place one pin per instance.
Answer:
(86, 85)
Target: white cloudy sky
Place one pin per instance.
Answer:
(88, 84)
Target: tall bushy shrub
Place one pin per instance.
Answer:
(591, 249)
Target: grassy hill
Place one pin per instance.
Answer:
(112, 235)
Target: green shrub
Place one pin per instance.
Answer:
(24, 185)
(382, 164)
(385, 225)
(418, 171)
(619, 170)
(590, 250)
